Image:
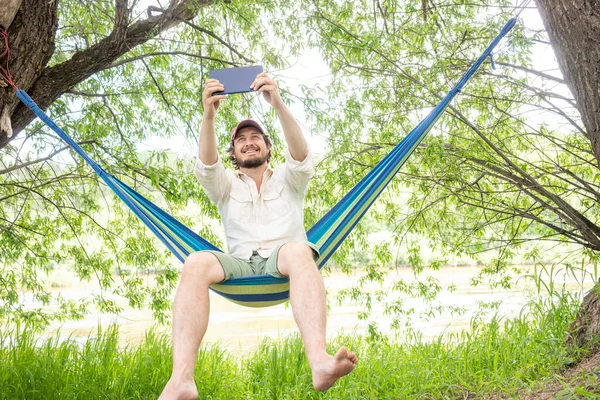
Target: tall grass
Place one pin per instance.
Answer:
(500, 356)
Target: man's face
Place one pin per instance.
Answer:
(250, 149)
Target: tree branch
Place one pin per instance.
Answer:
(39, 160)
(164, 53)
(60, 78)
(533, 72)
(223, 42)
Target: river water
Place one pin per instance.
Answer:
(242, 328)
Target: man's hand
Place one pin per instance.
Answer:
(268, 87)
(211, 103)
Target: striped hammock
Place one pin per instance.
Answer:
(327, 234)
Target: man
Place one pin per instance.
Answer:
(262, 212)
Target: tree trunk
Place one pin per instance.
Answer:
(574, 30)
(585, 330)
(31, 42)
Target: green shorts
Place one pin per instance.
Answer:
(236, 267)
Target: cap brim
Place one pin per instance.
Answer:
(244, 124)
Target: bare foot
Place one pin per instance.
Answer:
(177, 390)
(331, 368)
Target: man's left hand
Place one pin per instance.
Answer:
(268, 87)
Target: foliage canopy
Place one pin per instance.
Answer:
(507, 165)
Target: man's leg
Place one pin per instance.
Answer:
(307, 296)
(190, 320)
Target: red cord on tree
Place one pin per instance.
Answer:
(5, 73)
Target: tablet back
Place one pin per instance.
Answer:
(236, 80)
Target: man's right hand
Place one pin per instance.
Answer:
(211, 103)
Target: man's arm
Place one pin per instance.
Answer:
(291, 130)
(207, 145)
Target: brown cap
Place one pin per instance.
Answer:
(245, 123)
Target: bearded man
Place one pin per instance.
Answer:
(262, 213)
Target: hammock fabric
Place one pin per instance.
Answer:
(327, 234)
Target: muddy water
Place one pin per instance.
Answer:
(236, 327)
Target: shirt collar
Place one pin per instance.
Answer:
(267, 174)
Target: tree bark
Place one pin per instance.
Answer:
(574, 30)
(584, 332)
(31, 42)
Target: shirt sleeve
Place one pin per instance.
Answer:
(215, 180)
(299, 173)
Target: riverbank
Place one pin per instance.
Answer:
(240, 328)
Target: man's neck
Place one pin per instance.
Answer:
(256, 174)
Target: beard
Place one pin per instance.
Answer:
(252, 162)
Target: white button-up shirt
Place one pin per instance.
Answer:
(259, 221)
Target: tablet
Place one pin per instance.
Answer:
(236, 80)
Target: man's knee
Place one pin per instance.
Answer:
(203, 266)
(294, 254)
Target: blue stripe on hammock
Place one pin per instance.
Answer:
(249, 298)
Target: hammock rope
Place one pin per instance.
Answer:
(327, 234)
